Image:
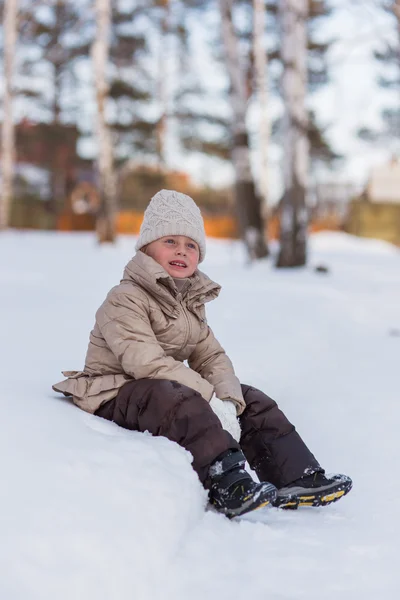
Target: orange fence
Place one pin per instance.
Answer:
(219, 226)
(129, 222)
(74, 222)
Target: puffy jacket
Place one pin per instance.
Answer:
(147, 328)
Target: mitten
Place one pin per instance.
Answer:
(226, 412)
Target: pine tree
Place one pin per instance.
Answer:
(389, 59)
(175, 86)
(130, 91)
(58, 35)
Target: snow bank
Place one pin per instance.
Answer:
(91, 511)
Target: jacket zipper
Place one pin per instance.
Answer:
(188, 330)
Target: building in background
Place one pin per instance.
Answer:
(330, 201)
(376, 213)
(384, 184)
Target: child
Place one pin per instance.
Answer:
(135, 375)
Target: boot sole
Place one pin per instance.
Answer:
(260, 499)
(315, 498)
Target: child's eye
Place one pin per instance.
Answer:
(192, 246)
(170, 241)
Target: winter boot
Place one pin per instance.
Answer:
(315, 489)
(232, 490)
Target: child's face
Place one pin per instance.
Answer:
(177, 254)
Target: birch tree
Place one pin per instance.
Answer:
(162, 86)
(294, 221)
(100, 53)
(130, 93)
(8, 134)
(261, 90)
(248, 204)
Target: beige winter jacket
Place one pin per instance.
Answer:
(146, 328)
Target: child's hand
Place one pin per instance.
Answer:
(226, 412)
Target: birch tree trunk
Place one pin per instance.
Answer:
(248, 204)
(262, 89)
(162, 84)
(57, 178)
(294, 220)
(8, 133)
(396, 12)
(106, 220)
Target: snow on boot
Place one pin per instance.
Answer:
(232, 490)
(315, 489)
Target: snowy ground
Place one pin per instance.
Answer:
(89, 511)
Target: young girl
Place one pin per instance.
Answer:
(135, 375)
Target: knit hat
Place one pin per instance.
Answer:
(172, 213)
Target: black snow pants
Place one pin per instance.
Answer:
(269, 441)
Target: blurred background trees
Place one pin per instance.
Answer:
(7, 132)
(387, 55)
(103, 118)
(53, 38)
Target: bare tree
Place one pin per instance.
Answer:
(248, 203)
(8, 134)
(106, 230)
(262, 93)
(293, 236)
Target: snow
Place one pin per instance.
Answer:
(89, 511)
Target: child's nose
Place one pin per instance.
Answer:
(181, 249)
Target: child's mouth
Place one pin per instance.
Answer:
(178, 264)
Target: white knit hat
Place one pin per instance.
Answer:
(172, 213)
